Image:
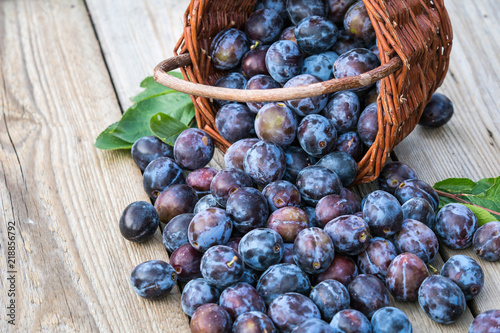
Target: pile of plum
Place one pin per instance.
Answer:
(275, 241)
(307, 257)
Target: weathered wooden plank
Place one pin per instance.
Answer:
(135, 36)
(65, 196)
(468, 146)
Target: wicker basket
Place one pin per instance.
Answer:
(414, 39)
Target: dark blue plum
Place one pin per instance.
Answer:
(260, 82)
(288, 222)
(318, 65)
(317, 135)
(233, 158)
(342, 269)
(153, 279)
(277, 5)
(352, 199)
(300, 9)
(316, 182)
(405, 275)
(292, 309)
(254, 62)
(351, 143)
(280, 279)
(235, 121)
(186, 262)
(227, 181)
(368, 125)
(284, 60)
(456, 225)
(211, 318)
(437, 112)
(264, 26)
(383, 213)
(338, 8)
(486, 241)
(308, 105)
(253, 322)
(316, 34)
(368, 294)
(139, 221)
(355, 62)
(241, 298)
(265, 163)
(196, 293)
(393, 174)
(441, 299)
(277, 124)
(147, 149)
(193, 149)
(261, 248)
(417, 238)
(175, 232)
(221, 266)
(280, 194)
(391, 320)
(228, 48)
(330, 296)
(296, 160)
(343, 109)
(466, 273)
(330, 207)
(346, 42)
(350, 234)
(377, 257)
(248, 209)
(175, 200)
(358, 24)
(412, 188)
(200, 180)
(206, 202)
(342, 164)
(160, 174)
(313, 325)
(488, 321)
(313, 250)
(232, 80)
(210, 227)
(421, 210)
(350, 321)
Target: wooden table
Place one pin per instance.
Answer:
(68, 68)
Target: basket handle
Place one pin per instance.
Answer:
(269, 95)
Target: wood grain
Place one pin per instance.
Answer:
(469, 145)
(64, 195)
(135, 36)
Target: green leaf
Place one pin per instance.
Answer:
(166, 127)
(482, 215)
(107, 141)
(485, 193)
(135, 121)
(455, 185)
(153, 88)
